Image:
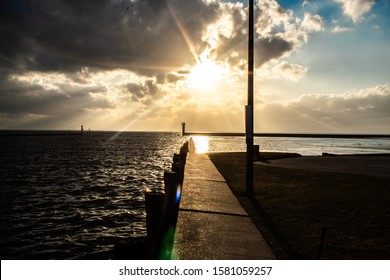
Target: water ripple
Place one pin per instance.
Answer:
(72, 197)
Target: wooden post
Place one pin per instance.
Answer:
(185, 147)
(183, 155)
(178, 168)
(154, 205)
(322, 242)
(172, 190)
(177, 158)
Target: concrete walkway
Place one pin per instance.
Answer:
(211, 223)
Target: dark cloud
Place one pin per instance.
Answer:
(173, 78)
(66, 36)
(20, 98)
(142, 92)
(61, 35)
(145, 36)
(269, 48)
(271, 41)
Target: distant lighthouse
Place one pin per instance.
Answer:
(183, 128)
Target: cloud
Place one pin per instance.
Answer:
(143, 92)
(278, 32)
(282, 70)
(51, 95)
(68, 58)
(65, 35)
(338, 29)
(365, 110)
(356, 9)
(305, 3)
(312, 22)
(149, 37)
(361, 111)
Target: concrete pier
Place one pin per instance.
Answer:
(212, 225)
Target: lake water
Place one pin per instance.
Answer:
(71, 197)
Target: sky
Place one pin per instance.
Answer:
(320, 66)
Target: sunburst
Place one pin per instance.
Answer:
(205, 75)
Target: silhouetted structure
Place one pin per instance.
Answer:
(183, 128)
(249, 107)
(289, 135)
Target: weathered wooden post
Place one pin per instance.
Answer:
(155, 215)
(171, 212)
(179, 170)
(177, 158)
(183, 152)
(183, 156)
(185, 147)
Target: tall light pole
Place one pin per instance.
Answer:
(249, 106)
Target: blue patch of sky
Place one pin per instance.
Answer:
(381, 16)
(332, 13)
(354, 59)
(290, 4)
(328, 10)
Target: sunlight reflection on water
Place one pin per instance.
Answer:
(201, 144)
(71, 197)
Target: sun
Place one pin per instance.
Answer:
(205, 75)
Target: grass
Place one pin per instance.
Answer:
(296, 209)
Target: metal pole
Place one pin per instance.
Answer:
(249, 107)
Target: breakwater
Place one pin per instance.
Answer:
(284, 135)
(290, 135)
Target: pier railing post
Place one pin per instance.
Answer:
(172, 197)
(155, 208)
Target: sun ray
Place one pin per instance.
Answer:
(184, 33)
(141, 116)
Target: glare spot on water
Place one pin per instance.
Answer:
(201, 144)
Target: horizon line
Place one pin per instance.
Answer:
(210, 133)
